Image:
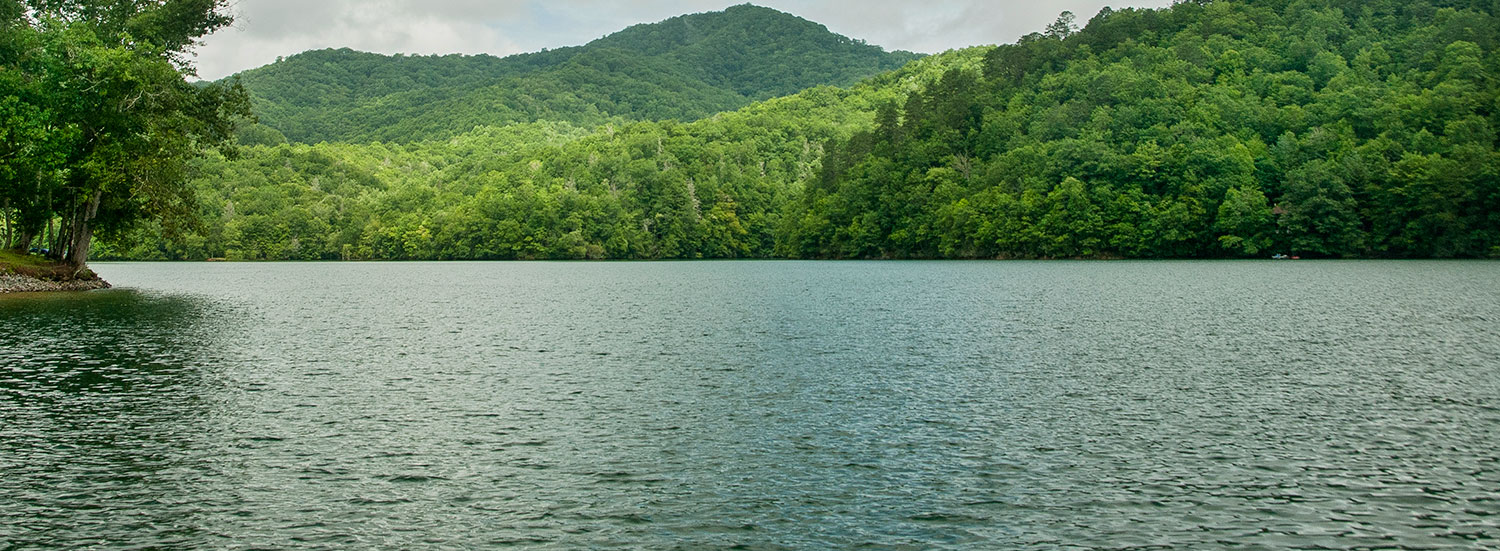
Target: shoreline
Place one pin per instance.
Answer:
(15, 283)
(22, 273)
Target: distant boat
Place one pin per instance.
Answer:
(1281, 257)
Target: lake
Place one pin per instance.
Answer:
(756, 405)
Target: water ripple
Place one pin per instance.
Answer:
(1140, 405)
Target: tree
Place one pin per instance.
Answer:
(1321, 216)
(115, 75)
(1206, 129)
(33, 144)
(1065, 25)
(1071, 221)
(1245, 223)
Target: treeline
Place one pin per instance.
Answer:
(1328, 128)
(684, 68)
(715, 188)
(1318, 128)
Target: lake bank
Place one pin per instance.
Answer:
(22, 273)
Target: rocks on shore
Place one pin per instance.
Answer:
(15, 283)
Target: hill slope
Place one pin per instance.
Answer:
(1327, 128)
(1334, 128)
(685, 68)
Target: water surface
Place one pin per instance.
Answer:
(756, 405)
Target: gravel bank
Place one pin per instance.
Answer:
(13, 283)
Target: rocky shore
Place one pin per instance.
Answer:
(32, 274)
(12, 283)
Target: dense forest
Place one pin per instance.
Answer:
(684, 68)
(98, 123)
(708, 189)
(1321, 128)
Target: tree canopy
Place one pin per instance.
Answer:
(1328, 128)
(1318, 128)
(684, 68)
(101, 123)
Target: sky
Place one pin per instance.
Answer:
(267, 29)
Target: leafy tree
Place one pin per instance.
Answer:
(1245, 224)
(110, 75)
(1320, 214)
(1208, 129)
(684, 68)
(1065, 25)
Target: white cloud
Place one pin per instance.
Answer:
(267, 29)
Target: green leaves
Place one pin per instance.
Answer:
(1151, 142)
(1209, 129)
(686, 68)
(167, 28)
(102, 120)
(1244, 222)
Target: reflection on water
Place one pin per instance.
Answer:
(1191, 405)
(102, 409)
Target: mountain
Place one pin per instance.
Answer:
(684, 68)
(1321, 128)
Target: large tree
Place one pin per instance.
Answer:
(107, 118)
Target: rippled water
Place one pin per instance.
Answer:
(1246, 405)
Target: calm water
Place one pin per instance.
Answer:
(1342, 405)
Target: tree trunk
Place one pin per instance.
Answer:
(49, 235)
(22, 236)
(23, 241)
(57, 248)
(83, 235)
(65, 227)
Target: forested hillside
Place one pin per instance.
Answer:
(1310, 127)
(714, 188)
(1332, 128)
(685, 68)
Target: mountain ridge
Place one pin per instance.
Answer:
(686, 67)
(1335, 129)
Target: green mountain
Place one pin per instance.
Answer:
(1333, 128)
(684, 68)
(1324, 128)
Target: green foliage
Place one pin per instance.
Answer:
(1327, 128)
(714, 188)
(100, 123)
(1332, 128)
(1245, 222)
(685, 68)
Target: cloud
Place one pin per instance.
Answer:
(267, 29)
(937, 25)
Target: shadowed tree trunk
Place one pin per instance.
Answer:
(82, 235)
(24, 224)
(22, 241)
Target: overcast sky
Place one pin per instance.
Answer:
(265, 29)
